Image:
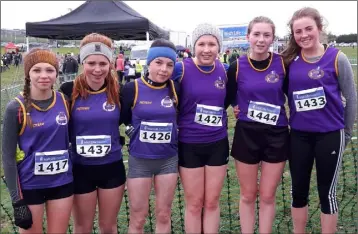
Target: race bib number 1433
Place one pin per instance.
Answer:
(309, 99)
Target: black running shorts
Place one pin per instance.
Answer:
(194, 155)
(255, 142)
(87, 178)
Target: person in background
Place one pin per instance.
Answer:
(233, 56)
(138, 69)
(69, 68)
(226, 56)
(129, 70)
(120, 67)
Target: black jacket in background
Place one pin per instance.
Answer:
(70, 66)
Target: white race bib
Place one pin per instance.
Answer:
(263, 112)
(309, 99)
(51, 163)
(155, 132)
(93, 146)
(209, 115)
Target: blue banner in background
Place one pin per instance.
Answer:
(234, 33)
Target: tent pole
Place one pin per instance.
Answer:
(27, 44)
(147, 34)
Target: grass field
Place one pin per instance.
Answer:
(346, 190)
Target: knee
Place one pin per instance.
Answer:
(106, 227)
(248, 197)
(299, 200)
(82, 228)
(212, 203)
(268, 199)
(329, 204)
(195, 206)
(82, 225)
(163, 216)
(138, 217)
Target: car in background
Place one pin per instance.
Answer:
(140, 52)
(69, 46)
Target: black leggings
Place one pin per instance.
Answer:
(326, 149)
(120, 76)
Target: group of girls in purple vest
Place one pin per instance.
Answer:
(67, 152)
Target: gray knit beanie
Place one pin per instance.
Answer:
(207, 29)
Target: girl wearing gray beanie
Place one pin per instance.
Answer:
(203, 141)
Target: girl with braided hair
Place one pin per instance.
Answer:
(98, 169)
(36, 123)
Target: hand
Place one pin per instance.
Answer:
(236, 111)
(347, 139)
(22, 215)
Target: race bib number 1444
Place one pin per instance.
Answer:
(263, 112)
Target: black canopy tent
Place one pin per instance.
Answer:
(114, 19)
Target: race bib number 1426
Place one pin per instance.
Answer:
(151, 132)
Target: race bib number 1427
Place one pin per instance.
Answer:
(209, 115)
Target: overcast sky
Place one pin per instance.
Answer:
(185, 15)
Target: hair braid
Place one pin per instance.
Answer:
(27, 100)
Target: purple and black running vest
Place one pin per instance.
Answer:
(46, 162)
(202, 114)
(94, 129)
(260, 95)
(314, 94)
(154, 120)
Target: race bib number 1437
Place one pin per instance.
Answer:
(93, 146)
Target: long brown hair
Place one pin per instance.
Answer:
(293, 49)
(81, 86)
